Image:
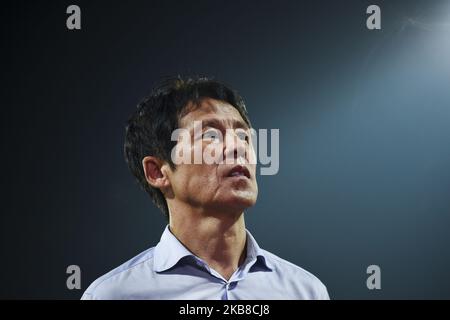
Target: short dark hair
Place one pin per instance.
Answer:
(149, 129)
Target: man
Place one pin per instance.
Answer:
(205, 251)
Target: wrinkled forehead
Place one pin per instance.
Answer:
(210, 109)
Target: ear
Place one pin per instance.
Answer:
(155, 172)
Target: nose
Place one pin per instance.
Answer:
(235, 148)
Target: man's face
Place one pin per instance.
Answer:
(217, 187)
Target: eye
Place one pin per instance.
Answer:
(211, 135)
(242, 135)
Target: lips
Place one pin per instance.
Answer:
(239, 171)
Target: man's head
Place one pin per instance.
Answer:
(184, 104)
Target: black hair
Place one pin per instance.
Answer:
(149, 129)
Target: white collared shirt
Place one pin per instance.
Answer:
(171, 271)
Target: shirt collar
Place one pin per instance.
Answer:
(169, 251)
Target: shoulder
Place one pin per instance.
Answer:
(304, 284)
(111, 285)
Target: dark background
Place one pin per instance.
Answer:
(364, 119)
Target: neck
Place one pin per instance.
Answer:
(218, 239)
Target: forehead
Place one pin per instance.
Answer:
(210, 109)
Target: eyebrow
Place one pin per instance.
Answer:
(215, 123)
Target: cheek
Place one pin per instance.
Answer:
(251, 154)
(181, 179)
(206, 178)
(195, 179)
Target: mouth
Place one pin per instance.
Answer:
(239, 171)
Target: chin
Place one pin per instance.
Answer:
(241, 200)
